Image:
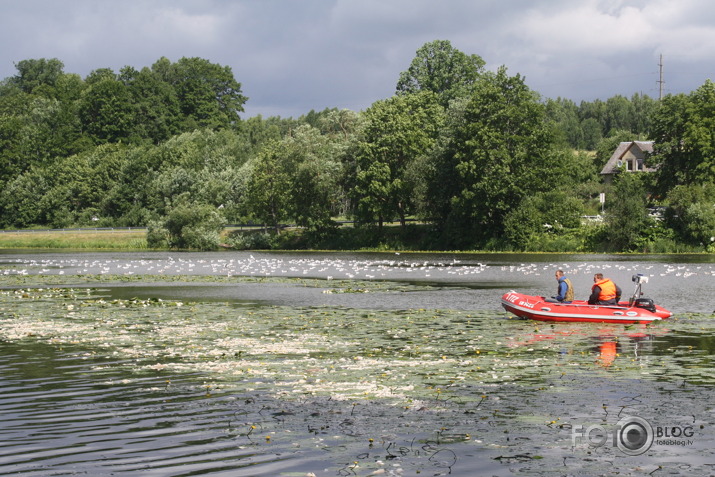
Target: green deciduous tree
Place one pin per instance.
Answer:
(297, 179)
(442, 69)
(37, 128)
(106, 111)
(700, 223)
(643, 109)
(564, 113)
(584, 126)
(38, 75)
(691, 212)
(499, 148)
(396, 132)
(209, 96)
(684, 148)
(202, 163)
(268, 195)
(626, 214)
(19, 204)
(65, 189)
(188, 226)
(551, 212)
(314, 159)
(155, 106)
(592, 133)
(619, 115)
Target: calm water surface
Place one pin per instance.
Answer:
(342, 364)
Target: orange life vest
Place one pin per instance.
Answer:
(608, 289)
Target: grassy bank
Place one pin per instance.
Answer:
(393, 237)
(83, 239)
(414, 237)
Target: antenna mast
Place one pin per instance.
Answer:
(660, 80)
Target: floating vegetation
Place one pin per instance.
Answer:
(329, 286)
(351, 353)
(373, 387)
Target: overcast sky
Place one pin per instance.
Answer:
(291, 56)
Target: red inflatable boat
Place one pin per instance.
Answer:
(636, 310)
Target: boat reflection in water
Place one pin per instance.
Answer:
(606, 343)
(630, 345)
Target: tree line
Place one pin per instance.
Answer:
(476, 157)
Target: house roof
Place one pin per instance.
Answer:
(645, 147)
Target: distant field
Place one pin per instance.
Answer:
(81, 239)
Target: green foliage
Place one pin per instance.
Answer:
(314, 192)
(58, 195)
(256, 240)
(545, 213)
(258, 131)
(700, 220)
(155, 106)
(618, 115)
(372, 193)
(147, 106)
(187, 226)
(106, 112)
(157, 236)
(34, 130)
(268, 195)
(443, 70)
(476, 155)
(33, 75)
(297, 179)
(691, 213)
(564, 113)
(626, 216)
(684, 147)
(19, 204)
(523, 225)
(498, 149)
(128, 185)
(208, 95)
(396, 133)
(205, 164)
(592, 133)
(583, 126)
(583, 177)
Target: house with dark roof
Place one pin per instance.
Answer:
(629, 156)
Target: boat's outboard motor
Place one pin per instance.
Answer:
(636, 300)
(645, 303)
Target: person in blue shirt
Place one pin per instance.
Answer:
(564, 291)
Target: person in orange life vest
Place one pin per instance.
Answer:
(604, 291)
(564, 291)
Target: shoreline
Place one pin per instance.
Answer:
(134, 239)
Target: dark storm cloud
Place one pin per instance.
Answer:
(293, 56)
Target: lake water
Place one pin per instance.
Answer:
(245, 363)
